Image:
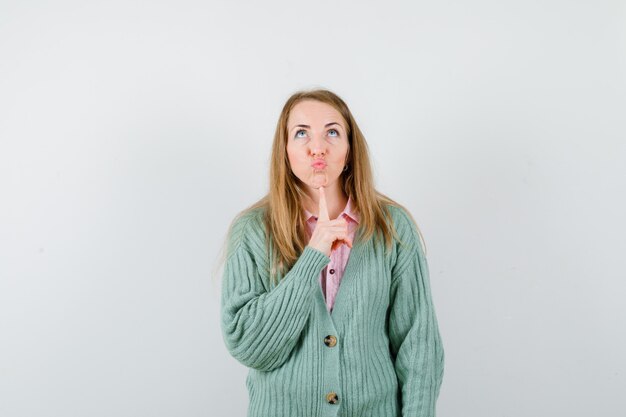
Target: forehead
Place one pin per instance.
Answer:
(313, 112)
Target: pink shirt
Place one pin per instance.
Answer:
(331, 275)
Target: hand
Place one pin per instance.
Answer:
(328, 234)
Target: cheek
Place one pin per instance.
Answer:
(340, 157)
(295, 159)
(296, 152)
(290, 153)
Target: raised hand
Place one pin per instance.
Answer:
(328, 234)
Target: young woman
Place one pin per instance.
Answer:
(325, 293)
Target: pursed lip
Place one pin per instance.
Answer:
(319, 164)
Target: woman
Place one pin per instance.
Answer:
(326, 294)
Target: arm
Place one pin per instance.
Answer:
(414, 337)
(261, 328)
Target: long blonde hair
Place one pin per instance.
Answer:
(283, 203)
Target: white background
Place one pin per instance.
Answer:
(132, 132)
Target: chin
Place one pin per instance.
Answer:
(325, 185)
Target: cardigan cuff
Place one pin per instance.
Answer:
(310, 259)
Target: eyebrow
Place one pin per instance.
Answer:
(307, 126)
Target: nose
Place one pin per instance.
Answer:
(318, 146)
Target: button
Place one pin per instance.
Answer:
(332, 398)
(330, 340)
(332, 271)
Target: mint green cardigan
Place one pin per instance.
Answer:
(377, 354)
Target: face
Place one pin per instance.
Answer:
(316, 131)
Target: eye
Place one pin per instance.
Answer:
(334, 130)
(296, 135)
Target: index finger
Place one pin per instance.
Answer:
(323, 208)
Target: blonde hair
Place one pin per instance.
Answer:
(283, 203)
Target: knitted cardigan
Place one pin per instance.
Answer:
(378, 354)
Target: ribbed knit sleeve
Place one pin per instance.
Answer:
(414, 336)
(260, 327)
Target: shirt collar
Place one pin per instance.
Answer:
(348, 210)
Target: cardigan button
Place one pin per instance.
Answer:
(330, 340)
(332, 398)
(332, 271)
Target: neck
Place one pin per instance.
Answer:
(336, 200)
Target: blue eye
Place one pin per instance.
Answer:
(296, 135)
(334, 130)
